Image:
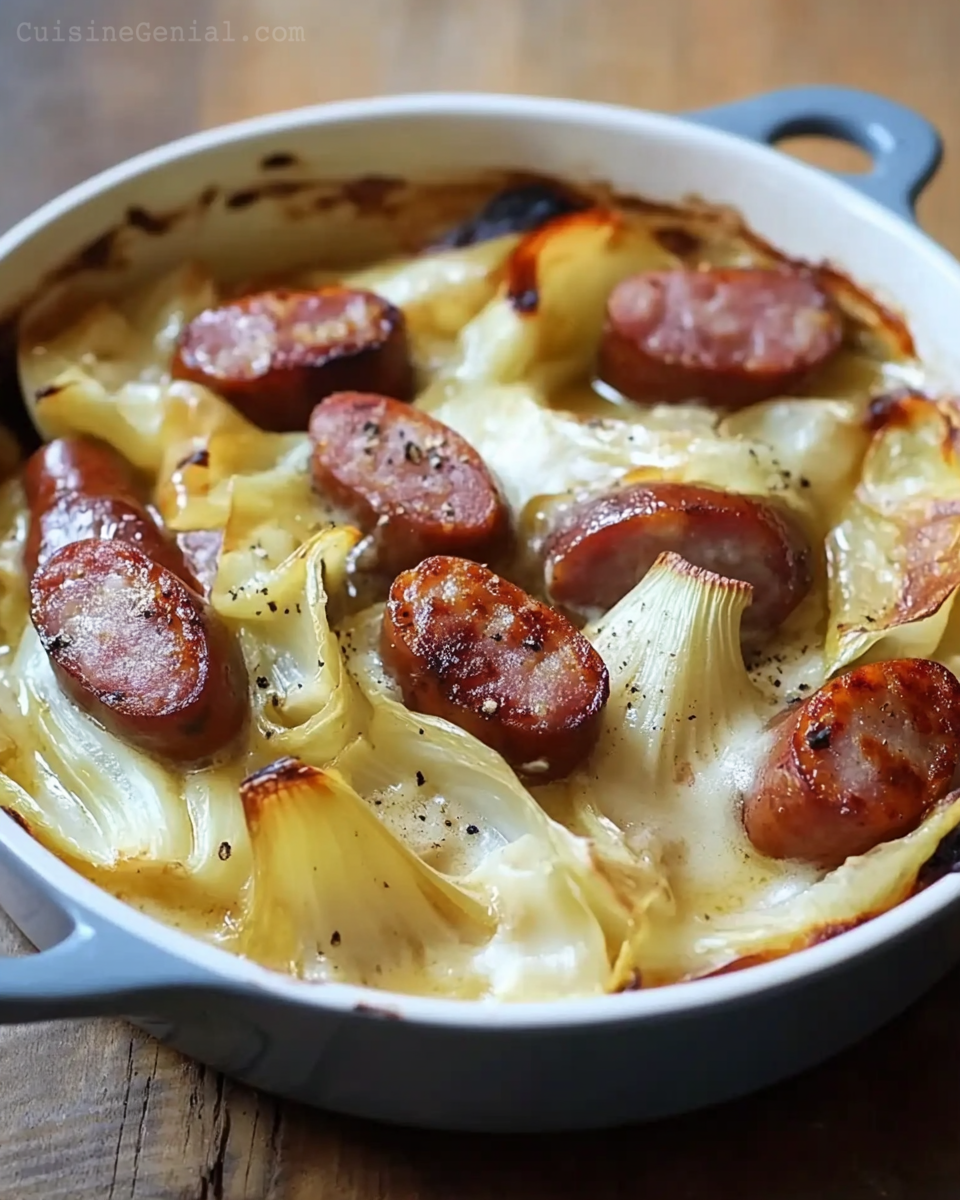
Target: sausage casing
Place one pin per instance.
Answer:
(275, 355)
(859, 763)
(80, 488)
(139, 651)
(604, 546)
(469, 646)
(727, 336)
(413, 480)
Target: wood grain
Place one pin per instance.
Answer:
(96, 1109)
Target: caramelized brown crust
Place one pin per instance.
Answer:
(726, 336)
(274, 355)
(407, 476)
(80, 488)
(606, 545)
(139, 651)
(859, 763)
(469, 646)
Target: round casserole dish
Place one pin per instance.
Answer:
(448, 1064)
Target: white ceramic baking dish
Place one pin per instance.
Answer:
(450, 1064)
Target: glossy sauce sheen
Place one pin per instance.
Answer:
(859, 763)
(79, 488)
(469, 646)
(408, 477)
(139, 651)
(605, 546)
(727, 336)
(274, 355)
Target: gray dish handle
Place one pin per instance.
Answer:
(92, 968)
(905, 147)
(91, 973)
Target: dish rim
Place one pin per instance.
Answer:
(86, 902)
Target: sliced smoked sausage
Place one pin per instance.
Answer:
(727, 336)
(79, 488)
(275, 355)
(138, 650)
(859, 763)
(407, 476)
(467, 645)
(604, 546)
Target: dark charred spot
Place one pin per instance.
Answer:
(278, 160)
(945, 860)
(224, 851)
(517, 210)
(819, 739)
(676, 240)
(526, 301)
(892, 409)
(199, 458)
(154, 224)
(421, 780)
(45, 392)
(369, 194)
(471, 829)
(243, 198)
(335, 938)
(263, 681)
(412, 453)
(15, 816)
(96, 255)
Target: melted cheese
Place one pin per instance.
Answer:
(638, 863)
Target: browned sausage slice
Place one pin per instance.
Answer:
(139, 651)
(274, 355)
(604, 546)
(727, 336)
(467, 645)
(859, 763)
(79, 488)
(406, 475)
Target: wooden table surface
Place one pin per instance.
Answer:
(96, 1110)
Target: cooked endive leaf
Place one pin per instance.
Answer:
(123, 340)
(545, 322)
(302, 698)
(463, 810)
(197, 491)
(439, 293)
(154, 425)
(679, 691)
(894, 557)
(337, 896)
(550, 452)
(105, 806)
(863, 887)
(796, 431)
